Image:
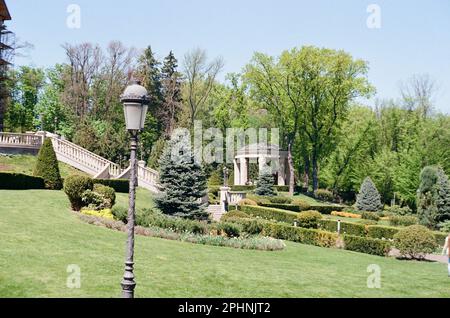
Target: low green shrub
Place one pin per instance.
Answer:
(244, 188)
(93, 200)
(270, 213)
(119, 185)
(120, 214)
(229, 229)
(396, 209)
(254, 243)
(366, 215)
(367, 222)
(309, 219)
(403, 220)
(326, 209)
(74, 187)
(324, 195)
(234, 214)
(302, 204)
(287, 207)
(380, 232)
(415, 241)
(300, 235)
(281, 200)
(247, 202)
(348, 228)
(367, 245)
(148, 217)
(108, 194)
(20, 181)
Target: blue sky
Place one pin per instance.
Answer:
(414, 36)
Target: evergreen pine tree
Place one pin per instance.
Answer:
(264, 184)
(182, 180)
(368, 198)
(171, 91)
(47, 166)
(427, 194)
(149, 73)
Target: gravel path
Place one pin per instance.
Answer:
(429, 257)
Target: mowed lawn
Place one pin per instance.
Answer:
(40, 237)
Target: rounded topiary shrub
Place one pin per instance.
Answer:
(74, 187)
(370, 216)
(309, 219)
(415, 241)
(47, 166)
(108, 194)
(247, 202)
(324, 195)
(234, 214)
(304, 205)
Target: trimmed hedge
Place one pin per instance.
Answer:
(270, 213)
(346, 227)
(326, 209)
(300, 235)
(287, 207)
(379, 232)
(366, 245)
(120, 185)
(243, 188)
(20, 181)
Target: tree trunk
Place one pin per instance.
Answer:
(291, 170)
(315, 173)
(306, 174)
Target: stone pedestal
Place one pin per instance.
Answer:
(224, 198)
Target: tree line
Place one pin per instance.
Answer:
(317, 97)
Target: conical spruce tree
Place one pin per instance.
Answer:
(182, 180)
(426, 197)
(368, 198)
(264, 184)
(47, 166)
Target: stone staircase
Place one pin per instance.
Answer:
(80, 158)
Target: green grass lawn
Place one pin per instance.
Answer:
(40, 237)
(25, 164)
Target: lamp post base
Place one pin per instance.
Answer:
(128, 283)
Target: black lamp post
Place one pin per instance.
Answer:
(135, 104)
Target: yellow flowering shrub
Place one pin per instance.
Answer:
(105, 213)
(346, 214)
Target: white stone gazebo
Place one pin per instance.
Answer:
(263, 154)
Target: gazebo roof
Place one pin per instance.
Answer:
(260, 149)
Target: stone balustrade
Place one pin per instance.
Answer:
(80, 158)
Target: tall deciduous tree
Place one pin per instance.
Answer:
(309, 91)
(200, 76)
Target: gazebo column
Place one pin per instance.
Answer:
(237, 173)
(244, 169)
(261, 163)
(282, 171)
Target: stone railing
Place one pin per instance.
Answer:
(82, 159)
(148, 178)
(235, 197)
(20, 140)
